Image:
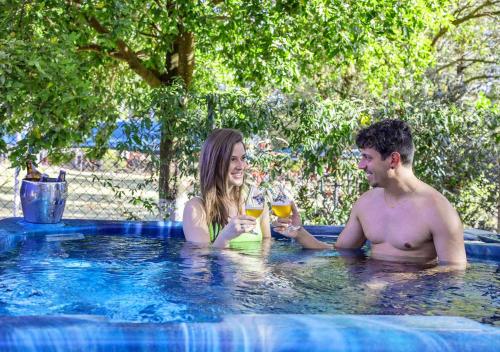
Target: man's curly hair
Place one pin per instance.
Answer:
(386, 137)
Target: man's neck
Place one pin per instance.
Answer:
(402, 183)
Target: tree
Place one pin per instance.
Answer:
(73, 65)
(466, 44)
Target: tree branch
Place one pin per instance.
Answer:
(180, 60)
(99, 49)
(472, 15)
(91, 47)
(156, 27)
(128, 55)
(477, 78)
(149, 35)
(21, 16)
(94, 23)
(459, 10)
(472, 61)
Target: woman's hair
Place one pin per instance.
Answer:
(215, 159)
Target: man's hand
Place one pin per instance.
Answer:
(283, 227)
(289, 227)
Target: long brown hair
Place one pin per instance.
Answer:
(215, 159)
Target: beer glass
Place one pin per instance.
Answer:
(255, 202)
(282, 205)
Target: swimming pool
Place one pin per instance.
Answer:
(101, 285)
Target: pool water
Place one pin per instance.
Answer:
(135, 278)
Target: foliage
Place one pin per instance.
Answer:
(49, 92)
(466, 52)
(68, 67)
(457, 153)
(309, 145)
(317, 70)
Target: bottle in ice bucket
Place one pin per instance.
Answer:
(32, 173)
(62, 176)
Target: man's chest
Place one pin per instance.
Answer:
(403, 228)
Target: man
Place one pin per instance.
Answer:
(404, 219)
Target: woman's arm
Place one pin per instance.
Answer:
(195, 226)
(235, 227)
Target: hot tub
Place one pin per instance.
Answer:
(129, 286)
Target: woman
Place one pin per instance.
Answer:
(218, 217)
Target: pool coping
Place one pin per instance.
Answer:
(254, 332)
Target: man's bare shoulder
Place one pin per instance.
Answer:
(370, 196)
(435, 206)
(432, 198)
(368, 200)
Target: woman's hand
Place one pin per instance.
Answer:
(238, 225)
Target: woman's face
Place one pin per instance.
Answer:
(237, 166)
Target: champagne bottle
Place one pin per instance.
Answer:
(32, 173)
(62, 176)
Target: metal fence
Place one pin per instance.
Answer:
(122, 185)
(116, 187)
(97, 189)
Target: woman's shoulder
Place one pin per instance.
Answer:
(194, 221)
(195, 205)
(195, 202)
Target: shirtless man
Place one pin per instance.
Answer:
(405, 219)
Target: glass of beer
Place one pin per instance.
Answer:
(282, 205)
(254, 204)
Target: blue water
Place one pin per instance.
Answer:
(149, 279)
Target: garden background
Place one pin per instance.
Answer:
(122, 93)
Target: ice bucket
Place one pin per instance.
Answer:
(43, 202)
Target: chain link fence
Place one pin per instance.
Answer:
(124, 185)
(108, 188)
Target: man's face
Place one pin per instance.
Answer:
(374, 167)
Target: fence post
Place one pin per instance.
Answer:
(16, 183)
(16, 192)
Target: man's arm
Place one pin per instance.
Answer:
(301, 235)
(309, 241)
(352, 236)
(447, 233)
